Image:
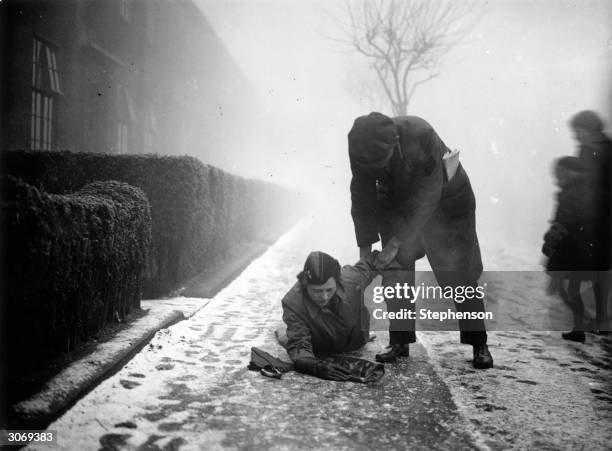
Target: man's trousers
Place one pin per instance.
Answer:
(450, 242)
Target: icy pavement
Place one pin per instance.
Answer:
(190, 389)
(542, 394)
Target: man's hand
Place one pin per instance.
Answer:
(387, 255)
(331, 371)
(364, 251)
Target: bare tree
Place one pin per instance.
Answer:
(405, 41)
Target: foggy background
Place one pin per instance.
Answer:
(503, 98)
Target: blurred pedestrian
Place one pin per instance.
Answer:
(595, 152)
(569, 243)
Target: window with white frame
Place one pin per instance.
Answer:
(150, 127)
(126, 115)
(122, 137)
(46, 89)
(150, 20)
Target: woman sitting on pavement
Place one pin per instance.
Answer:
(324, 313)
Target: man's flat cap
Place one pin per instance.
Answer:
(371, 140)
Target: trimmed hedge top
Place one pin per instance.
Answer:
(200, 213)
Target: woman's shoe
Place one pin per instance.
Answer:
(574, 335)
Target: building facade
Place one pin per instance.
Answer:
(116, 76)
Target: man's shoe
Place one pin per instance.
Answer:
(399, 350)
(574, 335)
(482, 357)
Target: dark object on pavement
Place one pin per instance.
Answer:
(574, 335)
(397, 350)
(361, 370)
(271, 371)
(333, 367)
(330, 371)
(267, 363)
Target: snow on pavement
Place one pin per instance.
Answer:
(190, 388)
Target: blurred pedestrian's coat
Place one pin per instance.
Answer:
(597, 157)
(570, 241)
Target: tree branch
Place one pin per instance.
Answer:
(401, 38)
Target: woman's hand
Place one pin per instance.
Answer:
(387, 255)
(331, 371)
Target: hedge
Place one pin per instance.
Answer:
(200, 213)
(72, 263)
